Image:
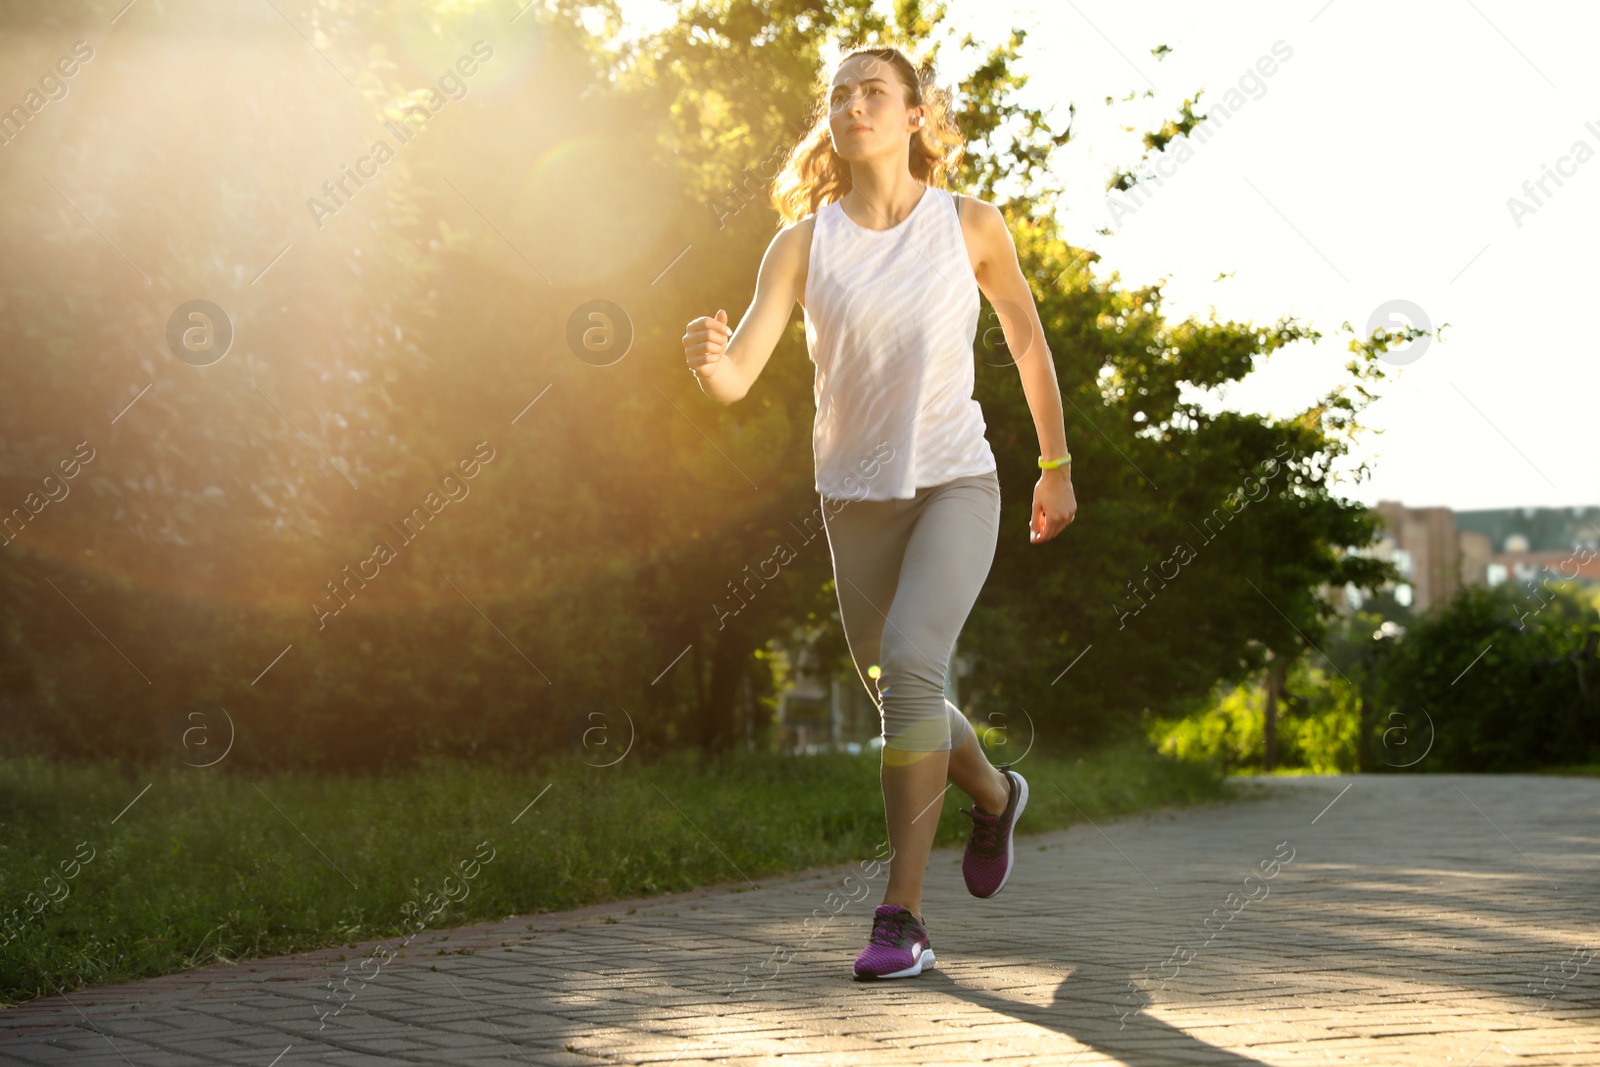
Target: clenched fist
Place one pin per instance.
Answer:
(705, 342)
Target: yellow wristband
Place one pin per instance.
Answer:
(1052, 464)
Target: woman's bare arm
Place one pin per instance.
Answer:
(1055, 503)
(1002, 281)
(728, 366)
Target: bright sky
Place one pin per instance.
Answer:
(1373, 165)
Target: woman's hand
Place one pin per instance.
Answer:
(705, 342)
(1054, 504)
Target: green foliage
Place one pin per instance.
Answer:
(1211, 534)
(1507, 678)
(593, 566)
(206, 867)
(1318, 726)
(1227, 731)
(1504, 679)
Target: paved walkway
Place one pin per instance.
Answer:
(1391, 920)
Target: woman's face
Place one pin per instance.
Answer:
(867, 112)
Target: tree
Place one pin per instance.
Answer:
(1502, 681)
(562, 199)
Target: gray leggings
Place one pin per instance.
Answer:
(908, 573)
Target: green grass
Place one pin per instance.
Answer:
(1576, 770)
(208, 867)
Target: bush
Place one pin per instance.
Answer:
(1507, 681)
(1318, 724)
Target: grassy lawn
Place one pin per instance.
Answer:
(204, 867)
(1576, 770)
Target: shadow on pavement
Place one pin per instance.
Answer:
(1087, 1008)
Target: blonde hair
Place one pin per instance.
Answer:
(814, 174)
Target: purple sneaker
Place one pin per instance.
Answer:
(899, 947)
(989, 855)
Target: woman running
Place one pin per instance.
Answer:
(887, 266)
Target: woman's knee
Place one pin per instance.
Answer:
(961, 730)
(915, 726)
(913, 663)
(915, 740)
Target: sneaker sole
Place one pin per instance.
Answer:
(924, 960)
(1011, 836)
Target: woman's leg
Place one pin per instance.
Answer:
(947, 557)
(867, 539)
(971, 770)
(914, 785)
(913, 796)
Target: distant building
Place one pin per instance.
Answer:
(1530, 567)
(823, 710)
(1438, 551)
(1543, 529)
(1528, 541)
(1434, 557)
(816, 710)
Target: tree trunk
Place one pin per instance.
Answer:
(718, 713)
(1274, 687)
(1364, 731)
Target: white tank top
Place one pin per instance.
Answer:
(891, 316)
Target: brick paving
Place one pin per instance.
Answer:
(1417, 919)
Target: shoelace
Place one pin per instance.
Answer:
(985, 840)
(887, 930)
